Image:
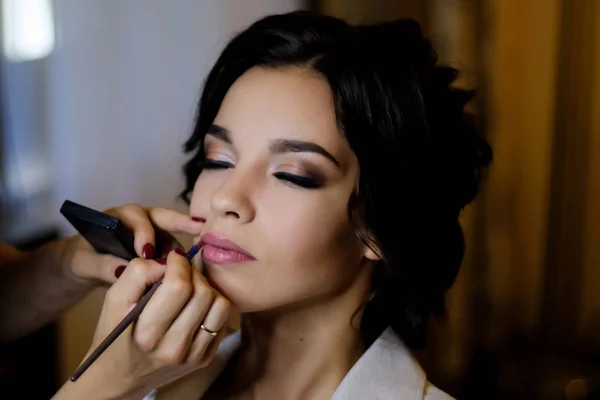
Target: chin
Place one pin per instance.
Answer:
(239, 293)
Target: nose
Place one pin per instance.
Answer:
(231, 200)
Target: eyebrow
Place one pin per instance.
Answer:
(278, 145)
(298, 146)
(219, 132)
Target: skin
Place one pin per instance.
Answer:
(311, 272)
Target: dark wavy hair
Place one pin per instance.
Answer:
(420, 157)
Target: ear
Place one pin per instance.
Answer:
(372, 251)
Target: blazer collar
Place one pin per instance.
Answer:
(387, 370)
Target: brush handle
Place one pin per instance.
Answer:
(120, 328)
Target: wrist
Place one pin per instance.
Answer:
(102, 381)
(92, 391)
(97, 389)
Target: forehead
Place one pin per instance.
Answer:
(273, 103)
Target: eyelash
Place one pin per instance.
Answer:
(297, 180)
(214, 164)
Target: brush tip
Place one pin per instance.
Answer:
(193, 251)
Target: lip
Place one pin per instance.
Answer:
(220, 250)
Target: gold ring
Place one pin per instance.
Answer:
(205, 329)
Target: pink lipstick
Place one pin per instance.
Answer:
(220, 250)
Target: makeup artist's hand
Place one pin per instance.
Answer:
(166, 342)
(146, 224)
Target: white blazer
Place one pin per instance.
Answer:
(386, 371)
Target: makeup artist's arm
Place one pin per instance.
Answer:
(35, 287)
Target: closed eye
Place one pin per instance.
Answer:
(297, 180)
(214, 164)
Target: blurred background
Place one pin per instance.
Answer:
(99, 95)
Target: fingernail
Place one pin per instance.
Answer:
(119, 271)
(180, 252)
(162, 261)
(198, 219)
(148, 251)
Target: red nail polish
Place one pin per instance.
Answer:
(119, 271)
(162, 261)
(180, 252)
(148, 251)
(198, 219)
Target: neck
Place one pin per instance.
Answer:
(300, 354)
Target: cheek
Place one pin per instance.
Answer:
(312, 234)
(200, 201)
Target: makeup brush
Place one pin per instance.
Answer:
(129, 318)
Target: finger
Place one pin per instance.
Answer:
(214, 321)
(210, 352)
(87, 263)
(136, 218)
(110, 268)
(174, 221)
(197, 262)
(133, 283)
(176, 342)
(165, 305)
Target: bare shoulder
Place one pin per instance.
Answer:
(433, 393)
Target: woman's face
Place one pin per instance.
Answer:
(276, 183)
